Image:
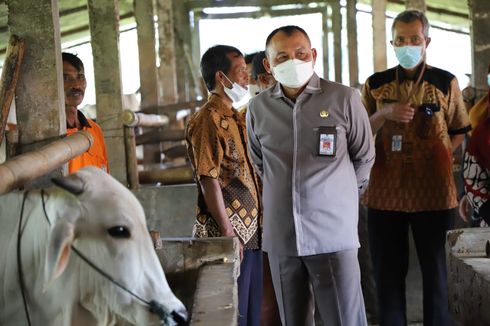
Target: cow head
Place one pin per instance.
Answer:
(107, 224)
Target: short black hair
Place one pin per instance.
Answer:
(249, 57)
(288, 30)
(409, 16)
(215, 59)
(258, 65)
(73, 60)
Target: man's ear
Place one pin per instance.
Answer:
(267, 65)
(427, 42)
(313, 54)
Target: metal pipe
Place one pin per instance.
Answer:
(138, 119)
(24, 168)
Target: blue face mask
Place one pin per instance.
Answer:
(488, 79)
(409, 56)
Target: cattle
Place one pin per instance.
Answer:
(88, 214)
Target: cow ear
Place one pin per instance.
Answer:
(71, 183)
(59, 248)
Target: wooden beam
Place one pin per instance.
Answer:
(325, 44)
(352, 43)
(10, 76)
(169, 176)
(379, 35)
(173, 108)
(161, 135)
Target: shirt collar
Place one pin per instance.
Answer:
(217, 104)
(402, 76)
(82, 119)
(313, 87)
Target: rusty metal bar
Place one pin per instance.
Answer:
(24, 168)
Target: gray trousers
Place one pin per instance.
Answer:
(331, 280)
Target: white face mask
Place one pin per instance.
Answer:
(293, 73)
(236, 93)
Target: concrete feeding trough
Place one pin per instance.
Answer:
(203, 273)
(469, 276)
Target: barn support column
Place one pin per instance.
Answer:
(167, 70)
(352, 43)
(104, 30)
(143, 12)
(480, 43)
(337, 40)
(325, 38)
(379, 35)
(416, 4)
(39, 100)
(182, 39)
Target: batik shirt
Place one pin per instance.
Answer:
(413, 167)
(216, 145)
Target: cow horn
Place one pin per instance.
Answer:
(71, 183)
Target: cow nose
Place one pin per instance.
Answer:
(180, 316)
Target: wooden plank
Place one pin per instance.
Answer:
(416, 4)
(160, 135)
(10, 76)
(166, 51)
(325, 38)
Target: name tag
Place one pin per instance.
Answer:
(327, 141)
(396, 143)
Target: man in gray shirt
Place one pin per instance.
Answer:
(311, 142)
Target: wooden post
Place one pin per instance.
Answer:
(352, 43)
(39, 95)
(379, 35)
(337, 40)
(10, 76)
(480, 43)
(325, 44)
(167, 70)
(143, 12)
(104, 30)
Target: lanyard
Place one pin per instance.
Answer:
(414, 89)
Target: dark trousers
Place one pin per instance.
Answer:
(250, 288)
(388, 237)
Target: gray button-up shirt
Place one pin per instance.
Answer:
(310, 202)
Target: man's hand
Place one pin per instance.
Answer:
(464, 209)
(398, 112)
(230, 233)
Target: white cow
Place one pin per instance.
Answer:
(103, 221)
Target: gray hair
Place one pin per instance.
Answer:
(409, 16)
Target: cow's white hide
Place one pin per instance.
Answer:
(64, 290)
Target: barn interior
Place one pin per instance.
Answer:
(142, 64)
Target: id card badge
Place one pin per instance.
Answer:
(327, 141)
(396, 143)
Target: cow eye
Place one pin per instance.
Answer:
(119, 232)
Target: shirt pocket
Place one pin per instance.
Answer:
(426, 120)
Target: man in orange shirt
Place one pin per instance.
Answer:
(74, 85)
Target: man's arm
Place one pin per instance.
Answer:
(213, 197)
(360, 140)
(254, 146)
(456, 141)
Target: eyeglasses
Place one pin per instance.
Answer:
(413, 40)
